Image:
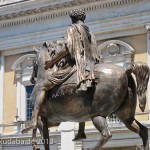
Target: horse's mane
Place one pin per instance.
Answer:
(55, 45)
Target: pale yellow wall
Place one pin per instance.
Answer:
(9, 91)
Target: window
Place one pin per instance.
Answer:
(29, 90)
(23, 68)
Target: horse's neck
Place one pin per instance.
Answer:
(42, 72)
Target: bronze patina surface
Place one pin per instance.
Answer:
(72, 86)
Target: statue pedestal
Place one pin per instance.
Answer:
(67, 134)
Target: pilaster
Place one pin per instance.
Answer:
(1, 88)
(21, 101)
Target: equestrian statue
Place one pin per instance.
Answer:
(72, 85)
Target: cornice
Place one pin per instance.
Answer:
(120, 26)
(32, 15)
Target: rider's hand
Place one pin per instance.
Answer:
(97, 59)
(48, 64)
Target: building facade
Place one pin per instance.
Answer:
(28, 23)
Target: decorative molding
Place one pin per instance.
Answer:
(23, 66)
(116, 52)
(50, 8)
(8, 2)
(103, 29)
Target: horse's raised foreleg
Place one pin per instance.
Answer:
(45, 133)
(101, 125)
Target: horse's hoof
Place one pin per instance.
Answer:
(24, 131)
(27, 129)
(36, 148)
(79, 137)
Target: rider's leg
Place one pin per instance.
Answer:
(81, 134)
(39, 100)
(39, 96)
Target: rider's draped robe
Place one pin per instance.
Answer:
(83, 49)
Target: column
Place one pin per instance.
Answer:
(21, 101)
(1, 89)
(23, 105)
(148, 62)
(67, 134)
(18, 106)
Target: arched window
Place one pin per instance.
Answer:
(23, 68)
(116, 52)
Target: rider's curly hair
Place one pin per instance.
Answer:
(77, 14)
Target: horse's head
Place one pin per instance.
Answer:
(34, 73)
(42, 55)
(46, 53)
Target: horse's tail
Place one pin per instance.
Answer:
(142, 73)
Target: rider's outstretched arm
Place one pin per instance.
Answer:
(63, 53)
(67, 50)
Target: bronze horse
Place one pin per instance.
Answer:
(115, 92)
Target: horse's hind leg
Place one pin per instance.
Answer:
(101, 125)
(126, 115)
(143, 133)
(138, 128)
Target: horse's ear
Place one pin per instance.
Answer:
(35, 49)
